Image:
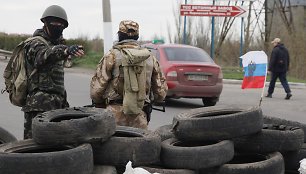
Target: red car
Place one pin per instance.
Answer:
(190, 72)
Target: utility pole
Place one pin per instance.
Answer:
(212, 48)
(107, 25)
(184, 33)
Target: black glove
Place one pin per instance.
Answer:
(71, 50)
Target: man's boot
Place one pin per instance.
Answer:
(288, 96)
(269, 95)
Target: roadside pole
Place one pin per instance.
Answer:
(212, 48)
(107, 25)
(184, 33)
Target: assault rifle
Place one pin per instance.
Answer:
(149, 107)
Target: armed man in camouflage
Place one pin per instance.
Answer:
(45, 56)
(123, 87)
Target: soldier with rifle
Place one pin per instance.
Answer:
(125, 78)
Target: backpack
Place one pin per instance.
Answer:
(15, 74)
(134, 70)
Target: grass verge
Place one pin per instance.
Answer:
(90, 60)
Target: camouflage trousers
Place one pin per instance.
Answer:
(137, 121)
(28, 117)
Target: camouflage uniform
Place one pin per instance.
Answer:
(108, 82)
(46, 89)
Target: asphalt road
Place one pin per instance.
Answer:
(77, 85)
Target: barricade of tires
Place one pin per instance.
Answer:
(220, 140)
(210, 140)
(60, 144)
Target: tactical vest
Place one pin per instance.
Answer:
(49, 78)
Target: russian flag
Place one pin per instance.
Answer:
(255, 69)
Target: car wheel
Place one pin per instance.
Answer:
(25, 157)
(210, 101)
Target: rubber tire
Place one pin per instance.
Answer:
(272, 138)
(163, 170)
(270, 164)
(27, 157)
(141, 147)
(210, 101)
(165, 132)
(293, 158)
(6, 137)
(280, 121)
(185, 155)
(217, 123)
(73, 126)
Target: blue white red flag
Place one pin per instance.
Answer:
(255, 69)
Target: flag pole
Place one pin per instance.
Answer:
(263, 89)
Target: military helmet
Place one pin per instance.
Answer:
(129, 27)
(55, 11)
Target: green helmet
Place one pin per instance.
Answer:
(55, 11)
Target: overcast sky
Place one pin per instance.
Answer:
(85, 16)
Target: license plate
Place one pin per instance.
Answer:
(197, 77)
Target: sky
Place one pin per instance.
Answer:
(86, 16)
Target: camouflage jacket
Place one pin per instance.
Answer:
(107, 82)
(46, 89)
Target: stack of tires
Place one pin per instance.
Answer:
(293, 157)
(78, 140)
(210, 140)
(221, 140)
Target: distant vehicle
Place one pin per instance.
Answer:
(190, 72)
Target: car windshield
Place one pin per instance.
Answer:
(187, 54)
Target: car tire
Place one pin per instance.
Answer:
(281, 121)
(6, 137)
(163, 170)
(73, 125)
(210, 101)
(250, 164)
(165, 132)
(272, 138)
(195, 155)
(141, 147)
(217, 123)
(26, 156)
